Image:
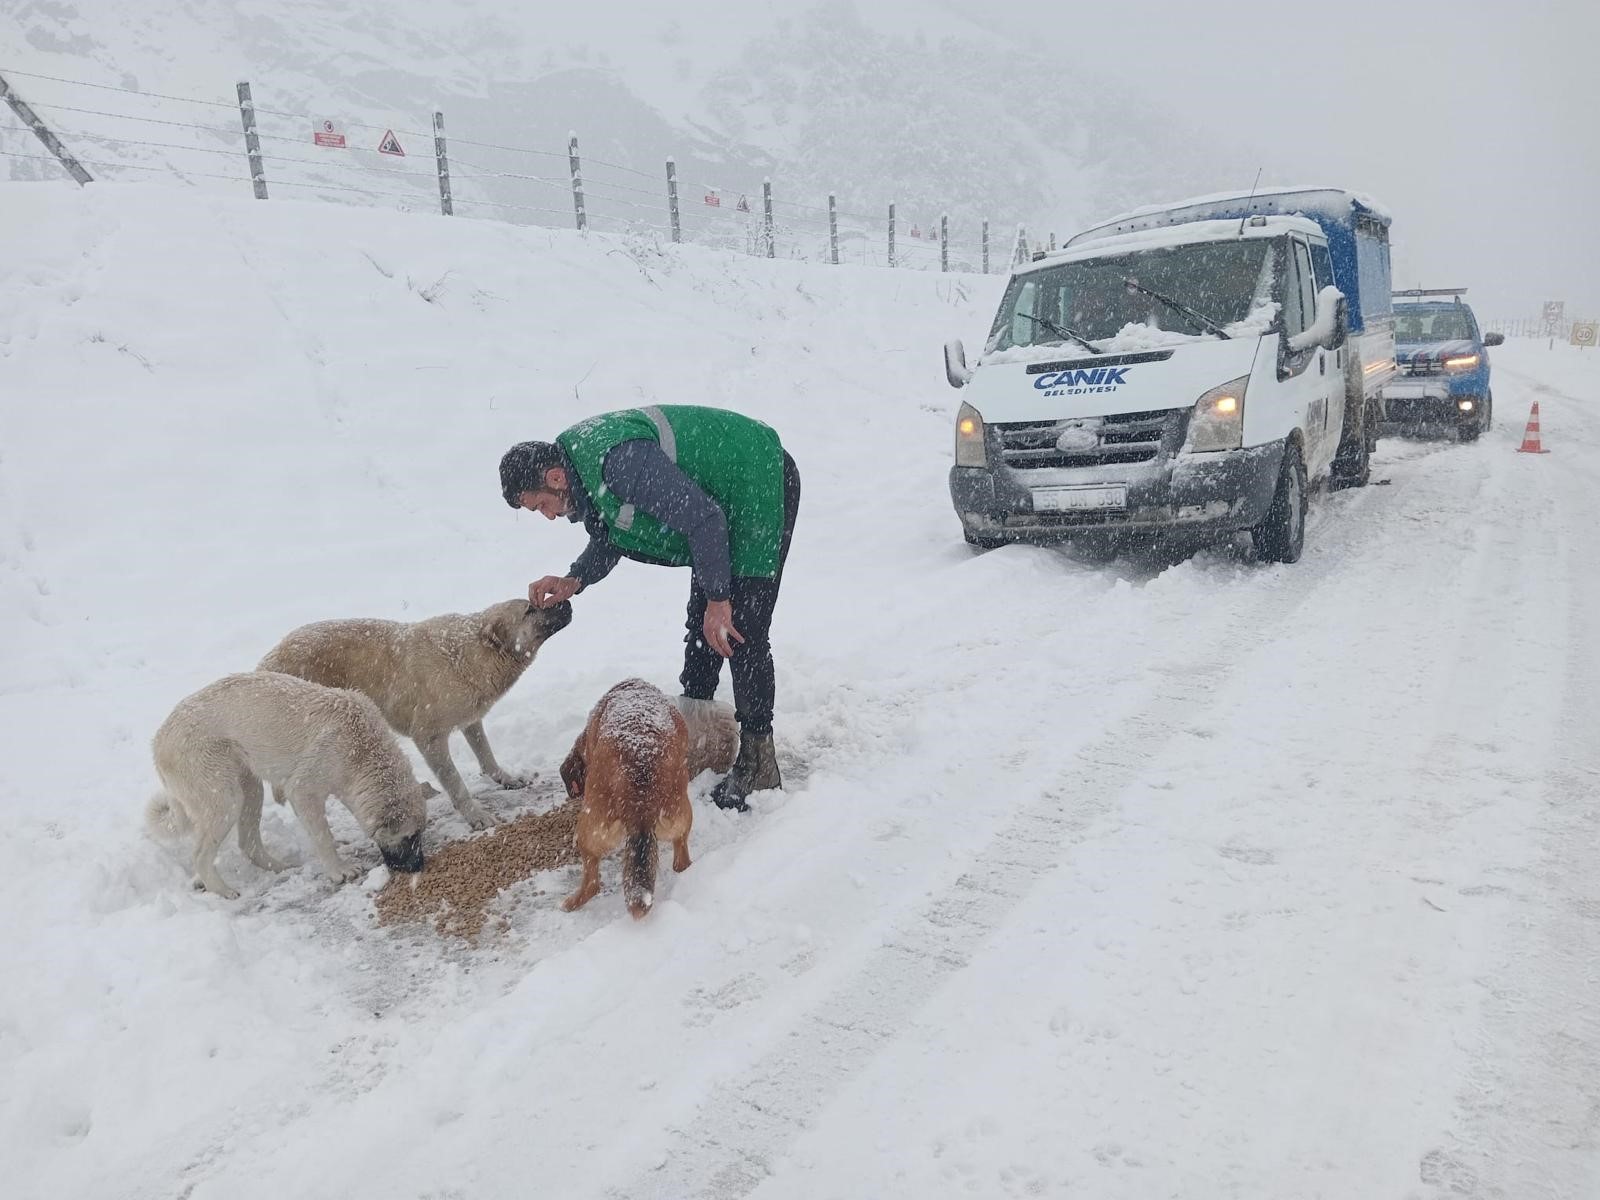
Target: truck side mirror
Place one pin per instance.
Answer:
(955, 363)
(1494, 339)
(1341, 324)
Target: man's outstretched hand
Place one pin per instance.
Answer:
(552, 590)
(718, 627)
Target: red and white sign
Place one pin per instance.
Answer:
(714, 200)
(326, 133)
(391, 145)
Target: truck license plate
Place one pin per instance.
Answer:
(1062, 499)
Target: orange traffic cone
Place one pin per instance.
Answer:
(1530, 439)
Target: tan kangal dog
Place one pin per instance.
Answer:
(630, 769)
(308, 742)
(430, 678)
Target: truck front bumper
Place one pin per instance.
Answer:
(1192, 494)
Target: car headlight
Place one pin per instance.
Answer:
(1462, 362)
(1218, 419)
(970, 450)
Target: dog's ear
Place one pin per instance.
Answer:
(575, 770)
(496, 630)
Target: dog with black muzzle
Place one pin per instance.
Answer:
(306, 741)
(430, 678)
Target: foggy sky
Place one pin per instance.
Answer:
(1478, 124)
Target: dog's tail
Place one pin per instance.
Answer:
(165, 815)
(639, 872)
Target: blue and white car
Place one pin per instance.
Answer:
(1443, 363)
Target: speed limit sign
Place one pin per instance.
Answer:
(1584, 332)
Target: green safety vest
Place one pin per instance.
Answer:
(736, 460)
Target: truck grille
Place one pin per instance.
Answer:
(1426, 366)
(1120, 438)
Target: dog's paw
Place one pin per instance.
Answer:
(477, 816)
(512, 783)
(346, 872)
(220, 889)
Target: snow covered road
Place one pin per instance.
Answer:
(1143, 879)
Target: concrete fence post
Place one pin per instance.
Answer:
(986, 245)
(766, 219)
(944, 242)
(833, 229)
(41, 131)
(891, 233)
(672, 199)
(252, 142)
(577, 182)
(441, 158)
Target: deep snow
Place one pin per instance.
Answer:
(1200, 879)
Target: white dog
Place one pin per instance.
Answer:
(309, 742)
(430, 678)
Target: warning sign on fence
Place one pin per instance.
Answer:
(1554, 310)
(743, 205)
(714, 200)
(1584, 332)
(326, 133)
(390, 145)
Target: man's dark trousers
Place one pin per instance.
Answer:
(753, 603)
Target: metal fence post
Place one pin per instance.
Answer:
(833, 229)
(446, 203)
(766, 218)
(1019, 252)
(891, 233)
(577, 182)
(672, 199)
(986, 245)
(944, 242)
(252, 141)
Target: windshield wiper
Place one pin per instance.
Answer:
(1063, 331)
(1177, 306)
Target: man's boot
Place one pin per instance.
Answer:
(755, 770)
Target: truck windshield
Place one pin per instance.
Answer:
(1227, 282)
(1431, 325)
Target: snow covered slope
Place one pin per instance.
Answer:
(897, 100)
(1200, 879)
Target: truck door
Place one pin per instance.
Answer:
(1307, 372)
(1334, 360)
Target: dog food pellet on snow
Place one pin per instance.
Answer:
(461, 880)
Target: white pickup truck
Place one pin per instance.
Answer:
(1189, 371)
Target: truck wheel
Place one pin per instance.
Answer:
(1469, 431)
(978, 541)
(1282, 533)
(1352, 465)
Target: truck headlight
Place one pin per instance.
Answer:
(970, 450)
(1462, 362)
(1218, 419)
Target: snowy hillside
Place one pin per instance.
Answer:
(1205, 879)
(889, 101)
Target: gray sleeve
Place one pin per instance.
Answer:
(642, 475)
(595, 562)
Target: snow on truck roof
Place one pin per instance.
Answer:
(1187, 234)
(1329, 201)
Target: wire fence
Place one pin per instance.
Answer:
(1574, 331)
(113, 132)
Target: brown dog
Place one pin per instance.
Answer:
(630, 767)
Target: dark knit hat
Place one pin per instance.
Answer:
(523, 466)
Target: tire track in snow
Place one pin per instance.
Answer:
(1530, 1106)
(742, 1127)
